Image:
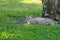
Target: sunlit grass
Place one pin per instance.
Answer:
(30, 32)
(31, 1)
(21, 9)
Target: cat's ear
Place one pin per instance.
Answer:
(30, 16)
(26, 16)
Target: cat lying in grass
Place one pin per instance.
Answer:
(39, 20)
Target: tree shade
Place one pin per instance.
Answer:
(51, 9)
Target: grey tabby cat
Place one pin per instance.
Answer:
(39, 20)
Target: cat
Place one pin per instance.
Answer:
(39, 20)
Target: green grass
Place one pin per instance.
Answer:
(20, 8)
(16, 8)
(30, 32)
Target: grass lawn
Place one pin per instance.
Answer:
(10, 30)
(30, 32)
(20, 8)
